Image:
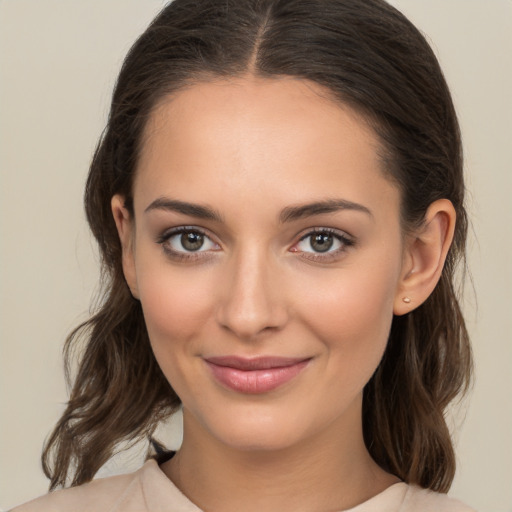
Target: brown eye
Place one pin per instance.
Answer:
(321, 242)
(192, 240)
(185, 241)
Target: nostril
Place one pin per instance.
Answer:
(248, 320)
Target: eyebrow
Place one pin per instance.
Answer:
(292, 213)
(191, 209)
(288, 214)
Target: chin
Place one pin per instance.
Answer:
(266, 438)
(251, 428)
(260, 442)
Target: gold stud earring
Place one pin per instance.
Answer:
(407, 300)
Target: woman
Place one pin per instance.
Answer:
(278, 200)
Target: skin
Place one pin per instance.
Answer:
(250, 150)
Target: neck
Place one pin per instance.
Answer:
(332, 471)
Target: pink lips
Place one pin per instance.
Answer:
(255, 375)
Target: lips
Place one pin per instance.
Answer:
(255, 375)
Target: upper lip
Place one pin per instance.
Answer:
(255, 363)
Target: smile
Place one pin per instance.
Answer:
(256, 375)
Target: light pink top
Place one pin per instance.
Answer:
(149, 490)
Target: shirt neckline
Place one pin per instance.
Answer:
(159, 489)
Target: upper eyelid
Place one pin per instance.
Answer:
(320, 229)
(168, 233)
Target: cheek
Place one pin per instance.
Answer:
(176, 303)
(176, 306)
(351, 314)
(353, 326)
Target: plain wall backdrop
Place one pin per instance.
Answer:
(58, 63)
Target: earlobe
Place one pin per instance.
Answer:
(125, 230)
(424, 256)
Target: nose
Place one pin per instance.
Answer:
(252, 301)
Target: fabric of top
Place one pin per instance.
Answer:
(149, 490)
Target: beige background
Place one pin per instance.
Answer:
(58, 60)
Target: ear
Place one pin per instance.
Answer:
(424, 256)
(126, 231)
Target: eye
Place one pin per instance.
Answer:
(318, 242)
(322, 243)
(185, 242)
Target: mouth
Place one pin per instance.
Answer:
(255, 375)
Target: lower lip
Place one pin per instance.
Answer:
(256, 381)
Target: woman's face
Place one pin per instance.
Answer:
(267, 255)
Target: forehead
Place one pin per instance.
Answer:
(253, 106)
(251, 135)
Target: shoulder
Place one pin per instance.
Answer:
(123, 492)
(148, 489)
(417, 499)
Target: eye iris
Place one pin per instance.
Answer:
(321, 242)
(192, 241)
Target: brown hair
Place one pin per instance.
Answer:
(370, 57)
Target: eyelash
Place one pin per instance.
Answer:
(324, 257)
(345, 241)
(185, 255)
